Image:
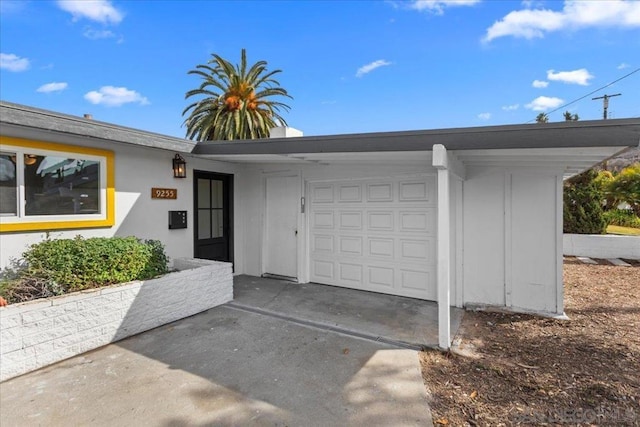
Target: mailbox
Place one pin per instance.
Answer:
(177, 219)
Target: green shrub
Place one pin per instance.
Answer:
(158, 260)
(623, 218)
(54, 267)
(582, 210)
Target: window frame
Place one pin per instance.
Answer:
(22, 222)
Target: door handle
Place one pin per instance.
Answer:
(296, 232)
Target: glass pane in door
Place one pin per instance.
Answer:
(216, 195)
(204, 223)
(217, 227)
(204, 195)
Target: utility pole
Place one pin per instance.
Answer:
(605, 101)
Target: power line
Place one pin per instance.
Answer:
(590, 93)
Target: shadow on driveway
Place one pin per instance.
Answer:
(225, 367)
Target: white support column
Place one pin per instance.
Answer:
(440, 162)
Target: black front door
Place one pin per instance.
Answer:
(213, 201)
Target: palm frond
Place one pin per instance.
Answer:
(234, 101)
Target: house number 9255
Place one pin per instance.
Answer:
(164, 193)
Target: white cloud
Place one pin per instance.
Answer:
(94, 10)
(512, 107)
(94, 34)
(543, 103)
(52, 87)
(539, 84)
(115, 96)
(579, 77)
(623, 66)
(525, 23)
(484, 116)
(371, 66)
(534, 23)
(438, 6)
(11, 62)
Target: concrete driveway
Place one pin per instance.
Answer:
(227, 366)
(400, 321)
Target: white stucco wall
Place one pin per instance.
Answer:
(512, 239)
(137, 170)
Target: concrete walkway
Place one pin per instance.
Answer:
(226, 367)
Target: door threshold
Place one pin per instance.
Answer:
(279, 277)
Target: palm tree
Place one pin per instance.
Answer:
(237, 101)
(568, 117)
(542, 118)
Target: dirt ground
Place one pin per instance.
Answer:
(512, 369)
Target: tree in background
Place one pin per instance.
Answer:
(582, 211)
(568, 117)
(621, 195)
(625, 188)
(602, 180)
(542, 118)
(237, 101)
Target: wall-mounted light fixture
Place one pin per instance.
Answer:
(179, 167)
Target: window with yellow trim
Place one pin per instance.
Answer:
(52, 186)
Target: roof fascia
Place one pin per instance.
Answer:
(24, 122)
(596, 133)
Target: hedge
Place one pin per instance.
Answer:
(582, 210)
(54, 267)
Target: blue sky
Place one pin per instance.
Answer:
(361, 66)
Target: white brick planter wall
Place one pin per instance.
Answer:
(38, 333)
(602, 246)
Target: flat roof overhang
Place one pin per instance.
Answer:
(570, 146)
(573, 146)
(596, 133)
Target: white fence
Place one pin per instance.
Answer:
(601, 246)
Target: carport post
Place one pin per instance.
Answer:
(440, 162)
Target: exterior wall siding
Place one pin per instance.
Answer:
(484, 237)
(512, 226)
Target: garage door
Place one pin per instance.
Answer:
(375, 234)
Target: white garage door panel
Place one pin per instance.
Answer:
(350, 220)
(379, 277)
(376, 235)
